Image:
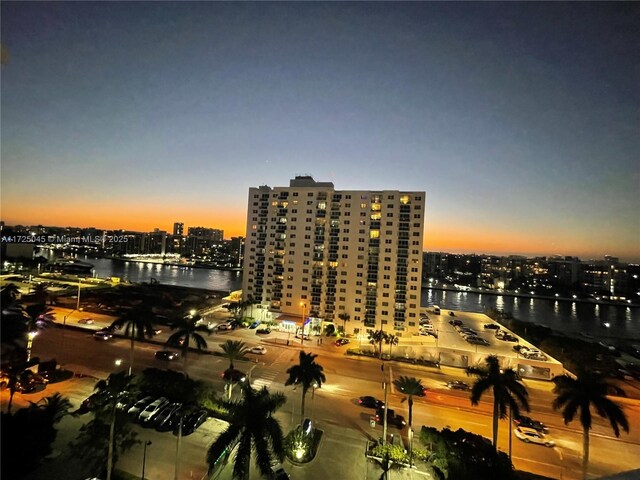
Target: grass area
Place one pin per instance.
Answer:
(301, 448)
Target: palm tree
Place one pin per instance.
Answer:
(308, 374)
(41, 293)
(412, 387)
(234, 350)
(187, 329)
(581, 393)
(392, 340)
(345, 318)
(55, 406)
(138, 325)
(508, 391)
(255, 430)
(9, 294)
(376, 337)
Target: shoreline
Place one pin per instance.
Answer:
(168, 264)
(508, 293)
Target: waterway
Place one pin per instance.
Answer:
(567, 316)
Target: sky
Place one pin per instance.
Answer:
(520, 121)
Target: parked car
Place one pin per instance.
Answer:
(528, 422)
(139, 406)
(255, 324)
(263, 331)
(392, 418)
(103, 335)
(162, 422)
(475, 340)
(166, 355)
(125, 402)
(457, 385)
(278, 473)
(492, 326)
(225, 326)
(86, 321)
(192, 422)
(307, 426)
(260, 350)
(151, 410)
(510, 338)
(529, 435)
(451, 314)
(370, 402)
(455, 322)
(341, 341)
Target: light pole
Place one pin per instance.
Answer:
(144, 456)
(31, 335)
(303, 305)
(78, 303)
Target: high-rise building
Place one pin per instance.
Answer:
(178, 228)
(324, 255)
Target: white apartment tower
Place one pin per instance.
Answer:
(320, 254)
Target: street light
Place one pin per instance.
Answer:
(31, 335)
(118, 362)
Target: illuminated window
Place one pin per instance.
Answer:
(404, 199)
(374, 234)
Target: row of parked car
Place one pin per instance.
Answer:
(468, 333)
(149, 411)
(426, 328)
(530, 353)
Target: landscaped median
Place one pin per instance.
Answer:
(427, 362)
(301, 447)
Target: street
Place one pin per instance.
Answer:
(334, 407)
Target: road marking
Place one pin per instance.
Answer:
(265, 379)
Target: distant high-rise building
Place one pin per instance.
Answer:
(178, 228)
(321, 253)
(200, 239)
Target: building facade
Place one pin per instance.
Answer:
(352, 258)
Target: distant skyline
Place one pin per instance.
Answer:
(519, 120)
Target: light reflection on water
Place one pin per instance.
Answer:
(560, 315)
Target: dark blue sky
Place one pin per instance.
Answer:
(520, 121)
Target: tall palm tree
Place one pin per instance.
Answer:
(308, 374)
(376, 337)
(41, 293)
(234, 350)
(138, 324)
(392, 340)
(255, 430)
(187, 329)
(345, 318)
(411, 387)
(508, 390)
(581, 394)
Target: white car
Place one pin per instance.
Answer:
(225, 326)
(86, 321)
(258, 350)
(152, 410)
(529, 435)
(428, 328)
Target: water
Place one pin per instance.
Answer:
(566, 316)
(221, 280)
